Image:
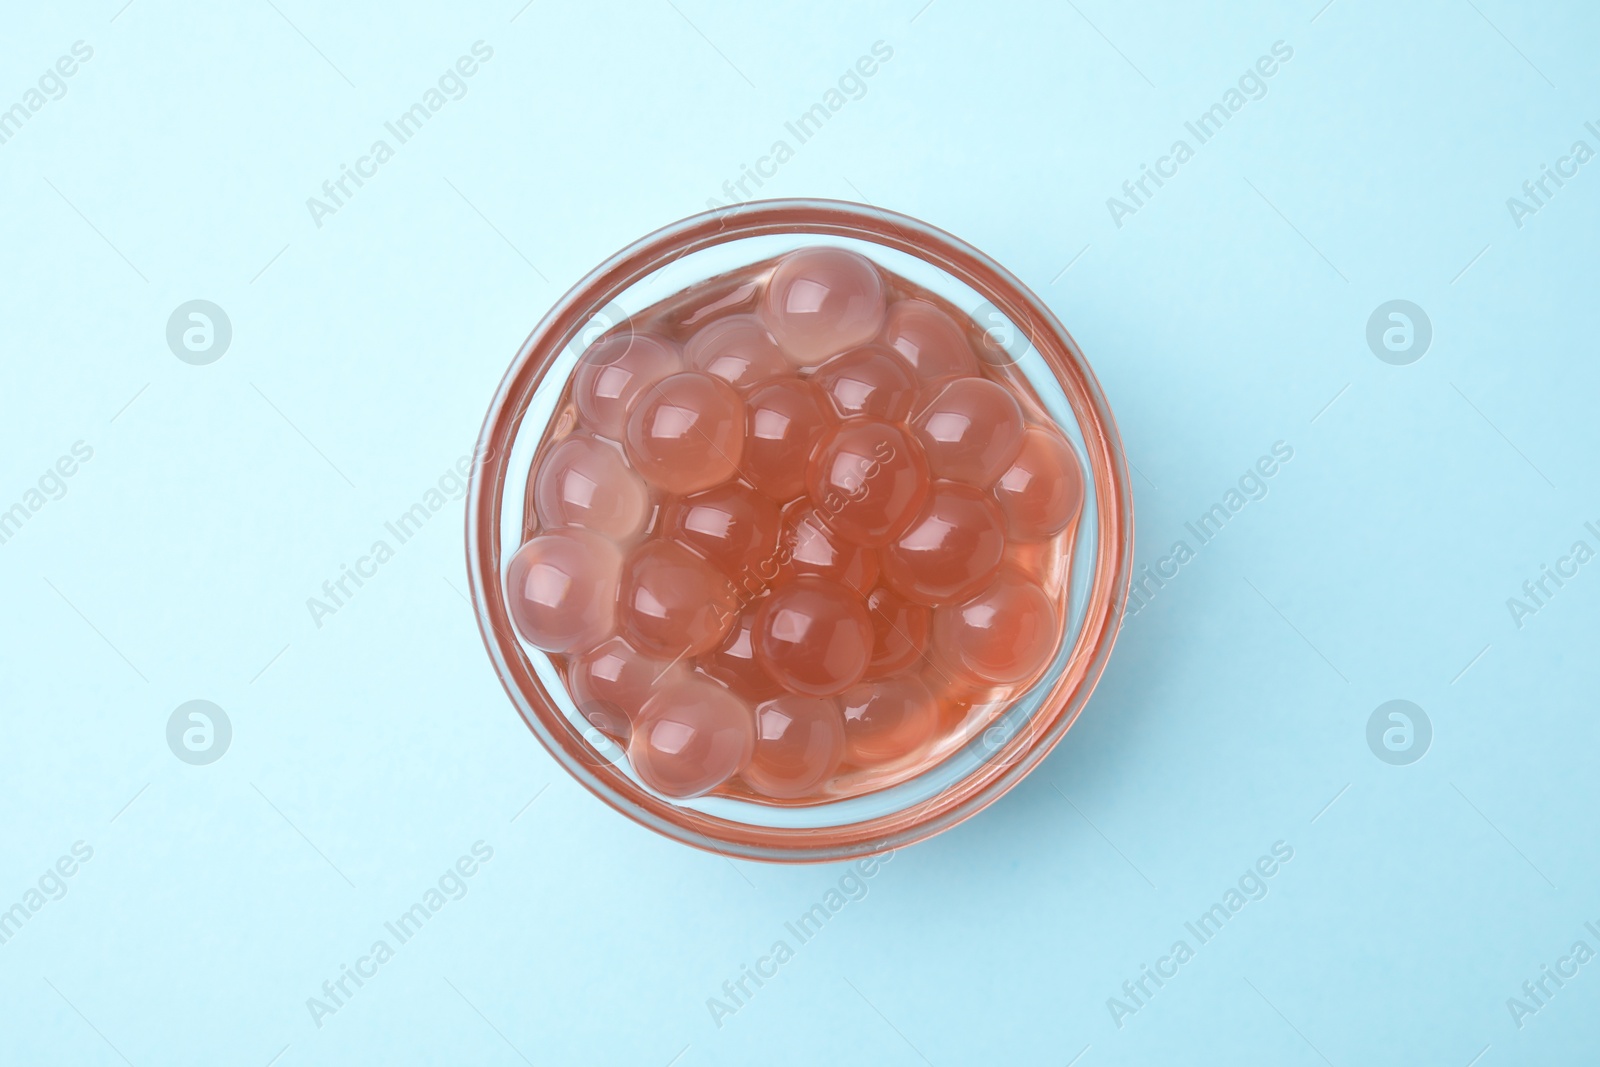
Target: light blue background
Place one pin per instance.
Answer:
(1225, 316)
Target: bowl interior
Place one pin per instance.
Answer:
(983, 737)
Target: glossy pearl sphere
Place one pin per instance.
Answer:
(685, 432)
(784, 419)
(871, 380)
(673, 603)
(822, 301)
(733, 527)
(561, 589)
(808, 547)
(1042, 491)
(888, 719)
(799, 743)
(951, 550)
(733, 662)
(1004, 635)
(611, 682)
(614, 371)
(585, 482)
(929, 341)
(867, 480)
(813, 636)
(691, 737)
(971, 430)
(738, 349)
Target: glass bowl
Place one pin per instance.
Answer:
(1023, 342)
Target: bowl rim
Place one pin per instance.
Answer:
(1006, 765)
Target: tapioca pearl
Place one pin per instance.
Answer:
(813, 636)
(733, 662)
(929, 341)
(738, 349)
(1005, 635)
(870, 380)
(971, 430)
(784, 419)
(732, 526)
(685, 433)
(612, 373)
(611, 682)
(951, 550)
(1042, 491)
(561, 589)
(899, 632)
(799, 743)
(867, 480)
(821, 301)
(690, 738)
(585, 482)
(809, 548)
(672, 603)
(888, 719)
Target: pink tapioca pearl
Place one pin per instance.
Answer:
(971, 431)
(808, 547)
(899, 632)
(951, 550)
(929, 340)
(799, 743)
(685, 433)
(870, 380)
(691, 737)
(733, 662)
(888, 719)
(1043, 489)
(733, 527)
(585, 482)
(783, 421)
(673, 603)
(813, 636)
(821, 301)
(1004, 635)
(613, 372)
(561, 589)
(611, 682)
(867, 480)
(738, 349)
